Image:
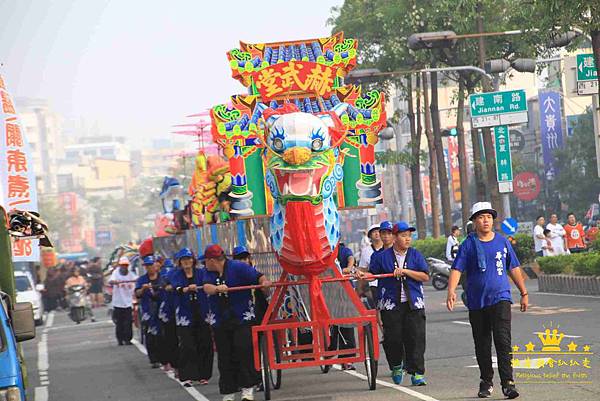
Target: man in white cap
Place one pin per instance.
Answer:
(365, 258)
(123, 282)
(488, 258)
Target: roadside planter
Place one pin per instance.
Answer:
(570, 274)
(569, 284)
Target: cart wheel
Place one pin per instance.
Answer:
(370, 361)
(276, 378)
(264, 368)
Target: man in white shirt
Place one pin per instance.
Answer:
(539, 239)
(123, 282)
(452, 244)
(365, 258)
(557, 235)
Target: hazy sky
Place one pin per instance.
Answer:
(136, 67)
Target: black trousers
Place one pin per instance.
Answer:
(404, 338)
(195, 352)
(342, 338)
(493, 321)
(152, 345)
(123, 320)
(169, 344)
(235, 356)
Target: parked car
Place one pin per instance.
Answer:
(27, 291)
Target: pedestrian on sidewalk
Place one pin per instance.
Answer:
(96, 282)
(123, 283)
(401, 304)
(147, 290)
(193, 332)
(169, 344)
(452, 244)
(232, 317)
(574, 234)
(539, 239)
(558, 235)
(488, 259)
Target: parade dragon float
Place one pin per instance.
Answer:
(300, 145)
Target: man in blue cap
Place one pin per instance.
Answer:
(261, 304)
(166, 313)
(401, 306)
(191, 311)
(232, 317)
(147, 289)
(488, 259)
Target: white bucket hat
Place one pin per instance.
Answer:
(124, 260)
(482, 207)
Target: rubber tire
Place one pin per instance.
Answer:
(439, 282)
(265, 372)
(370, 361)
(277, 381)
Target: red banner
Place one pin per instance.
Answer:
(527, 186)
(294, 76)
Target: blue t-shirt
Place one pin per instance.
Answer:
(344, 254)
(236, 305)
(150, 303)
(486, 288)
(166, 310)
(190, 307)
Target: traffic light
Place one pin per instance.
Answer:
(431, 40)
(449, 132)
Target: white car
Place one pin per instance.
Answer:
(27, 292)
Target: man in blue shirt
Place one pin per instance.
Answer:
(401, 306)
(147, 290)
(232, 316)
(166, 314)
(191, 312)
(488, 258)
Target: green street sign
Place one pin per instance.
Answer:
(586, 67)
(498, 108)
(503, 160)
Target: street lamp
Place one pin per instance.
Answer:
(431, 40)
(388, 132)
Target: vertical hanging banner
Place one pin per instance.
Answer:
(16, 173)
(551, 130)
(454, 170)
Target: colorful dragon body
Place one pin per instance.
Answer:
(211, 178)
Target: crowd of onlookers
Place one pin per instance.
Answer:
(554, 238)
(57, 276)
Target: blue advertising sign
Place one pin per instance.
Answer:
(510, 226)
(551, 130)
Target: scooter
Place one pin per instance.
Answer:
(440, 272)
(76, 295)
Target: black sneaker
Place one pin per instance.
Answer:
(485, 390)
(510, 391)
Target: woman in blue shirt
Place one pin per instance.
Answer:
(166, 313)
(488, 258)
(191, 310)
(232, 316)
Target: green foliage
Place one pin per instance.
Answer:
(523, 247)
(583, 264)
(578, 166)
(595, 244)
(403, 157)
(430, 247)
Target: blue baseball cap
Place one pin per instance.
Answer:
(201, 258)
(240, 250)
(184, 253)
(168, 264)
(148, 260)
(402, 226)
(386, 225)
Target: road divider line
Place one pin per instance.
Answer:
(461, 322)
(198, 396)
(41, 393)
(402, 389)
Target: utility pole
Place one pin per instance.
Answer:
(433, 179)
(490, 154)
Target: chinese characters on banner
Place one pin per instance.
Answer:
(304, 76)
(551, 130)
(18, 189)
(454, 170)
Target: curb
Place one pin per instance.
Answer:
(569, 284)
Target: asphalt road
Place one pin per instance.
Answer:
(72, 363)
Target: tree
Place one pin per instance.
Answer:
(577, 178)
(59, 223)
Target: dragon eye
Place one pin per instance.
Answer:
(317, 144)
(278, 144)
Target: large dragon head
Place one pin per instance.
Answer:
(302, 153)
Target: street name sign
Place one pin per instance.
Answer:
(504, 171)
(498, 108)
(587, 75)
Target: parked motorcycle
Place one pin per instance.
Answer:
(440, 272)
(76, 296)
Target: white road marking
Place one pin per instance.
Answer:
(564, 335)
(461, 322)
(82, 325)
(568, 295)
(41, 393)
(494, 363)
(402, 389)
(191, 390)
